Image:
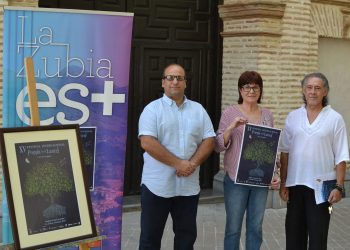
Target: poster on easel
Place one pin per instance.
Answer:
(46, 186)
(82, 62)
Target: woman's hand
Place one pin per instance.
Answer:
(275, 182)
(236, 122)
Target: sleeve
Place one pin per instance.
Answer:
(340, 142)
(148, 122)
(208, 126)
(219, 139)
(271, 119)
(286, 137)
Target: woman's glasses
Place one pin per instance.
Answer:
(247, 88)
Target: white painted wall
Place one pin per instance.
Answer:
(334, 62)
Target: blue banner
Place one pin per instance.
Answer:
(81, 61)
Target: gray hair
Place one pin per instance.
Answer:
(325, 84)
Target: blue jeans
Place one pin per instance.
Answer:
(154, 214)
(238, 200)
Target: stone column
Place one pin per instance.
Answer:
(252, 32)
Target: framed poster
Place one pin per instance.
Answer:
(47, 192)
(258, 155)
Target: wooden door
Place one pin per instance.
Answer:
(166, 31)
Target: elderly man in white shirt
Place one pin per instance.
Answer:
(314, 149)
(177, 136)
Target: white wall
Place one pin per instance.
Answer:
(334, 62)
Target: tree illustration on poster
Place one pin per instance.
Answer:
(87, 157)
(259, 152)
(258, 155)
(47, 185)
(48, 179)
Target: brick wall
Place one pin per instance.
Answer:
(279, 39)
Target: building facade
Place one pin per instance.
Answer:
(281, 39)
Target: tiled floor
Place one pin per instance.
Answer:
(211, 227)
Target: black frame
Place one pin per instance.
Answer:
(47, 235)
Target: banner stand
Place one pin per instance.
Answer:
(85, 244)
(82, 65)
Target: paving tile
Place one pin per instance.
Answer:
(211, 228)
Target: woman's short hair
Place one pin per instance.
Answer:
(249, 77)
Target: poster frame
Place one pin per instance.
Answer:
(23, 239)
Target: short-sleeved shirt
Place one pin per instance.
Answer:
(180, 130)
(314, 149)
(233, 148)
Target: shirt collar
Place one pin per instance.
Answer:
(170, 102)
(328, 106)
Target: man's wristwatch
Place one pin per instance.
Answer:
(339, 187)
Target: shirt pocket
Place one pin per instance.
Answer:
(194, 129)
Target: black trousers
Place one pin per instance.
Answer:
(154, 214)
(306, 222)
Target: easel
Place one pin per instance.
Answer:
(35, 121)
(31, 86)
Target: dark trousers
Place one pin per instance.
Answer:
(306, 221)
(154, 214)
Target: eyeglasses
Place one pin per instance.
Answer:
(247, 88)
(171, 78)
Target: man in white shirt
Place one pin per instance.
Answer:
(314, 148)
(177, 136)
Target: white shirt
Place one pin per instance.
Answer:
(314, 149)
(181, 130)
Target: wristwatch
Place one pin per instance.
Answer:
(339, 187)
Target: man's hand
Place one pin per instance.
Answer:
(185, 168)
(284, 192)
(335, 196)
